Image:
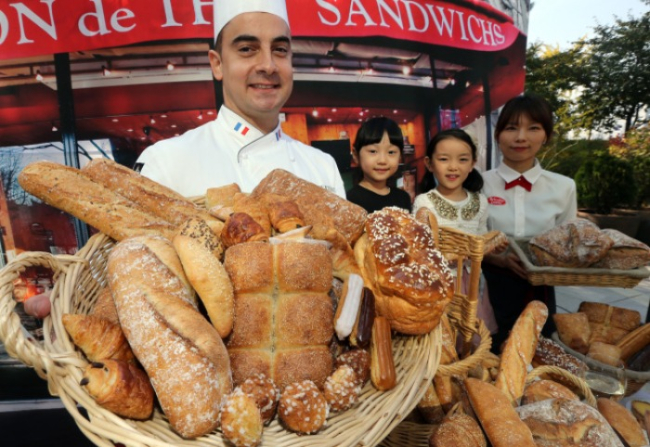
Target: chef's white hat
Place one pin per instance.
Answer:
(226, 10)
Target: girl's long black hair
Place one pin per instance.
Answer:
(371, 132)
(473, 182)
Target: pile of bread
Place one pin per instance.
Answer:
(607, 333)
(497, 403)
(579, 243)
(299, 292)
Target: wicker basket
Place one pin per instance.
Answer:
(78, 281)
(560, 276)
(462, 247)
(635, 379)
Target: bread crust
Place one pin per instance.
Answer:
(283, 313)
(623, 422)
(70, 190)
(408, 276)
(179, 349)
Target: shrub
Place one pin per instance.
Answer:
(635, 148)
(605, 182)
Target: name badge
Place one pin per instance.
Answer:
(498, 201)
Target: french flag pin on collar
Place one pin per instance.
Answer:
(278, 135)
(239, 127)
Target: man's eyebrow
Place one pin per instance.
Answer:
(251, 38)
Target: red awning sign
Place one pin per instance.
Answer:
(38, 27)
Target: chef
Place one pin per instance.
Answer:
(253, 60)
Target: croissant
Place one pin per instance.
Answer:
(241, 227)
(285, 216)
(120, 387)
(98, 338)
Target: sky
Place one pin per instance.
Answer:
(559, 22)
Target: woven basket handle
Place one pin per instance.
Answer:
(567, 377)
(18, 342)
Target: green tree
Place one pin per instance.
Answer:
(614, 79)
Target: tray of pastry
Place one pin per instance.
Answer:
(567, 276)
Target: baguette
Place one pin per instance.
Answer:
(623, 422)
(69, 190)
(519, 350)
(458, 430)
(149, 195)
(199, 249)
(634, 341)
(179, 349)
(497, 416)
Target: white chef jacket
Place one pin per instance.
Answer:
(522, 214)
(231, 150)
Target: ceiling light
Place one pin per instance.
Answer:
(315, 113)
(164, 115)
(173, 126)
(467, 84)
(152, 121)
(360, 120)
(331, 68)
(200, 117)
(39, 76)
(395, 111)
(105, 71)
(361, 113)
(170, 66)
(406, 70)
(115, 120)
(452, 81)
(329, 120)
(210, 112)
(334, 110)
(129, 130)
(54, 128)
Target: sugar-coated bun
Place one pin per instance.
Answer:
(262, 389)
(409, 277)
(303, 407)
(241, 421)
(342, 388)
(359, 361)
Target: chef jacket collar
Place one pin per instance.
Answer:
(508, 174)
(245, 134)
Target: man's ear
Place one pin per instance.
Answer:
(215, 64)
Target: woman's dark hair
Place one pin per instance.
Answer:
(536, 107)
(371, 132)
(473, 182)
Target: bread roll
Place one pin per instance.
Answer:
(179, 349)
(546, 389)
(458, 430)
(623, 422)
(562, 422)
(619, 317)
(241, 421)
(606, 334)
(342, 388)
(198, 249)
(69, 190)
(221, 196)
(266, 395)
(574, 244)
(150, 196)
(318, 205)
(120, 387)
(497, 416)
(303, 407)
(605, 353)
(627, 253)
(519, 350)
(410, 279)
(98, 338)
(574, 330)
(283, 313)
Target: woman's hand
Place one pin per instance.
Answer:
(38, 305)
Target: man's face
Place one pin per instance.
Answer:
(255, 67)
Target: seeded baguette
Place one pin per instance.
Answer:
(69, 190)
